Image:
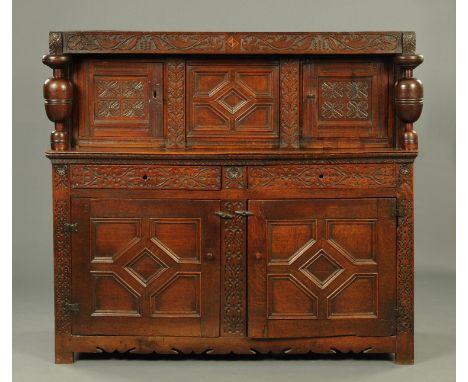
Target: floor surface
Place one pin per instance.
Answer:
(33, 358)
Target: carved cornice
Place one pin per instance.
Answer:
(234, 42)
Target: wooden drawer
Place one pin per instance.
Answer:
(322, 176)
(146, 177)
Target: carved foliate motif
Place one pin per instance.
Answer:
(62, 268)
(307, 42)
(405, 252)
(176, 103)
(285, 177)
(61, 177)
(247, 43)
(143, 42)
(146, 177)
(408, 42)
(289, 113)
(234, 177)
(234, 242)
(55, 43)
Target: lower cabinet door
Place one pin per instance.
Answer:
(322, 267)
(146, 267)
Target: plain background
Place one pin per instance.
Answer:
(434, 23)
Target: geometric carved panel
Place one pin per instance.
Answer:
(179, 238)
(113, 297)
(321, 269)
(146, 266)
(357, 297)
(345, 99)
(354, 238)
(110, 237)
(232, 100)
(179, 297)
(289, 239)
(288, 298)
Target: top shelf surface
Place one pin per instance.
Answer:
(285, 43)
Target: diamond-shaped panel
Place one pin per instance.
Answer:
(321, 268)
(146, 266)
(233, 101)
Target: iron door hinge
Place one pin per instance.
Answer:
(398, 211)
(72, 307)
(70, 227)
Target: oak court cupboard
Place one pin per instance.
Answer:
(233, 192)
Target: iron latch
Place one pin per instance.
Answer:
(70, 227)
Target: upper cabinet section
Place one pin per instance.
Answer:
(232, 91)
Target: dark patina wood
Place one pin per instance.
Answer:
(245, 193)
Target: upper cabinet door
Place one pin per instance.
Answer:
(121, 103)
(345, 104)
(321, 268)
(146, 267)
(232, 103)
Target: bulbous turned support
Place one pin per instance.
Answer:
(409, 98)
(58, 99)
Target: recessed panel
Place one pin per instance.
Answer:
(226, 102)
(110, 237)
(179, 236)
(113, 297)
(287, 298)
(355, 238)
(288, 239)
(180, 297)
(355, 298)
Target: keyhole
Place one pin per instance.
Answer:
(321, 176)
(154, 94)
(145, 177)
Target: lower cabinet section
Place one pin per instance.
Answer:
(314, 267)
(321, 268)
(146, 267)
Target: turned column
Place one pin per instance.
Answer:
(408, 98)
(58, 99)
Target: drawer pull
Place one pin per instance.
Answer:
(224, 215)
(258, 255)
(210, 256)
(244, 213)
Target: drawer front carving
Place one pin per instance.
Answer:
(146, 177)
(318, 176)
(225, 102)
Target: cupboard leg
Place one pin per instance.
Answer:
(64, 357)
(405, 349)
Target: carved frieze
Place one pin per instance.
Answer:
(146, 177)
(247, 43)
(284, 177)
